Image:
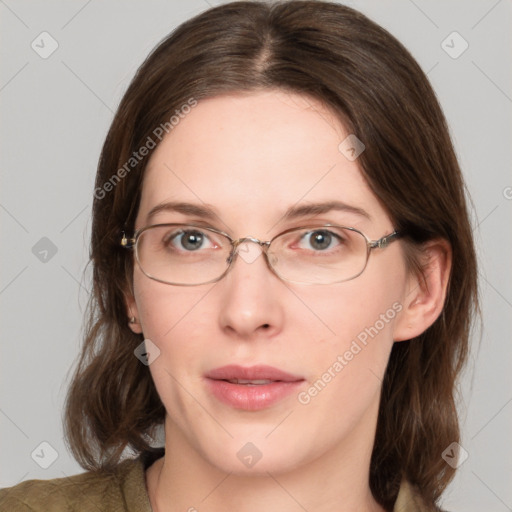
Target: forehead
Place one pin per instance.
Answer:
(253, 156)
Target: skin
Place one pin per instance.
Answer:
(250, 156)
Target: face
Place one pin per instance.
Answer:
(250, 158)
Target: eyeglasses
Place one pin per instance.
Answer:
(190, 254)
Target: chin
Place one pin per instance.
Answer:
(256, 455)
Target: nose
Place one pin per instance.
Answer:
(251, 301)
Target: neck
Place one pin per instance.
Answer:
(336, 480)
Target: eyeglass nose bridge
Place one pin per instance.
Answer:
(236, 245)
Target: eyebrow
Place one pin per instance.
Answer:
(205, 211)
(320, 208)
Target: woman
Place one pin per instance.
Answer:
(284, 277)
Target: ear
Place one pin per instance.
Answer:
(132, 313)
(424, 299)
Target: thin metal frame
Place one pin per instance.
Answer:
(381, 243)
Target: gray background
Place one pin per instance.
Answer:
(55, 113)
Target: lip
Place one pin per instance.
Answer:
(251, 397)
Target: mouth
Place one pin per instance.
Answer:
(246, 382)
(251, 388)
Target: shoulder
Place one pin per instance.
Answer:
(123, 490)
(410, 500)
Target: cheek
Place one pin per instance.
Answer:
(356, 319)
(162, 307)
(171, 318)
(349, 310)
(346, 369)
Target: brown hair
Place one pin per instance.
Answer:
(356, 68)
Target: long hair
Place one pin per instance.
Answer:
(377, 90)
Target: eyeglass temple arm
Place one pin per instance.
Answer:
(384, 241)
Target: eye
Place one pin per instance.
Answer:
(320, 240)
(189, 240)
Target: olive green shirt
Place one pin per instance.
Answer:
(121, 491)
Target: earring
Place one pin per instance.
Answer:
(132, 320)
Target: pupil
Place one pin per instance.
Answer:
(321, 240)
(192, 241)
